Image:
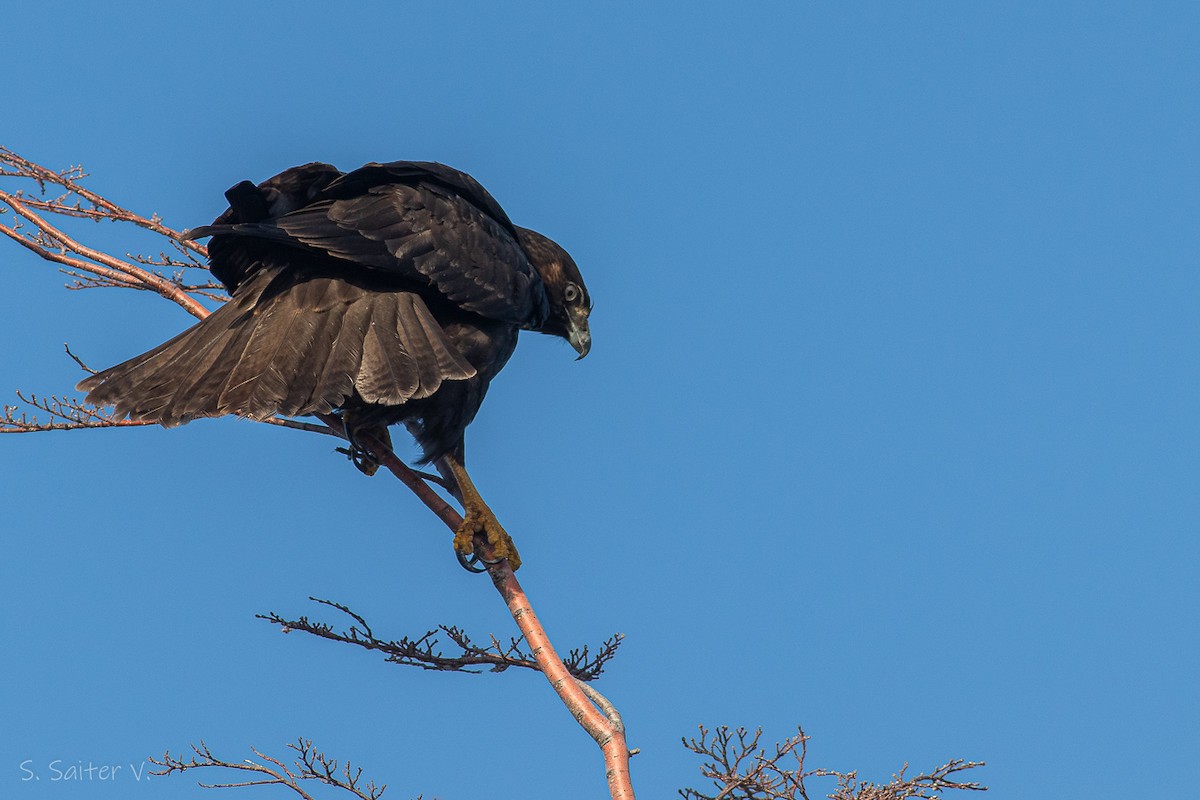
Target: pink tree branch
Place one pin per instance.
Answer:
(121, 273)
(609, 733)
(17, 166)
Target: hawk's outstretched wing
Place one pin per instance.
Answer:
(291, 348)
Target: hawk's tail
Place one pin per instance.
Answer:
(289, 346)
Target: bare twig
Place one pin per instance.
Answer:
(66, 414)
(75, 358)
(309, 765)
(740, 769)
(424, 651)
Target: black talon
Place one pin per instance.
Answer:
(468, 562)
(357, 454)
(362, 461)
(359, 458)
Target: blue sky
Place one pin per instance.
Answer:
(888, 429)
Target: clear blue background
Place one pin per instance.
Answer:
(889, 429)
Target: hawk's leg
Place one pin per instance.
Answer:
(478, 519)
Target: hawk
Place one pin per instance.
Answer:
(392, 293)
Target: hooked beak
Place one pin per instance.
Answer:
(580, 336)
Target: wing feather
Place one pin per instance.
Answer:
(424, 224)
(389, 374)
(439, 359)
(259, 382)
(335, 379)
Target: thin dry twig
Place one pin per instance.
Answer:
(424, 651)
(741, 769)
(66, 414)
(77, 360)
(309, 765)
(927, 785)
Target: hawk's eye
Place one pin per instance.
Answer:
(571, 293)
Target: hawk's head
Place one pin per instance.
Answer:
(570, 303)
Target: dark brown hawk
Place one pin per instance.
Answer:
(393, 293)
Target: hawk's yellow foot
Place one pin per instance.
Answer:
(479, 519)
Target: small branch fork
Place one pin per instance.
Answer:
(90, 267)
(741, 769)
(309, 766)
